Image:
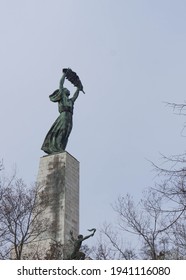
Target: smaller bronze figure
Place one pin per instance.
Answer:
(76, 254)
(57, 137)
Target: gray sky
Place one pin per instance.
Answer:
(130, 56)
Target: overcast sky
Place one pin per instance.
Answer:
(131, 58)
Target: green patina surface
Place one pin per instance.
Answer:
(57, 137)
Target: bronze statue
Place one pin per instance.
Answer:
(76, 254)
(57, 137)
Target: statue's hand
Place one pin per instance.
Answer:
(66, 70)
(94, 230)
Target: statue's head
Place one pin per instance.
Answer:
(80, 236)
(66, 91)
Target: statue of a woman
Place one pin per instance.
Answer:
(57, 137)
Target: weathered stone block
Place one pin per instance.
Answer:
(58, 178)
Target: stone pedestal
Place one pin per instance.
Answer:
(58, 183)
(59, 177)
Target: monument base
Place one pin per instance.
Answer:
(58, 178)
